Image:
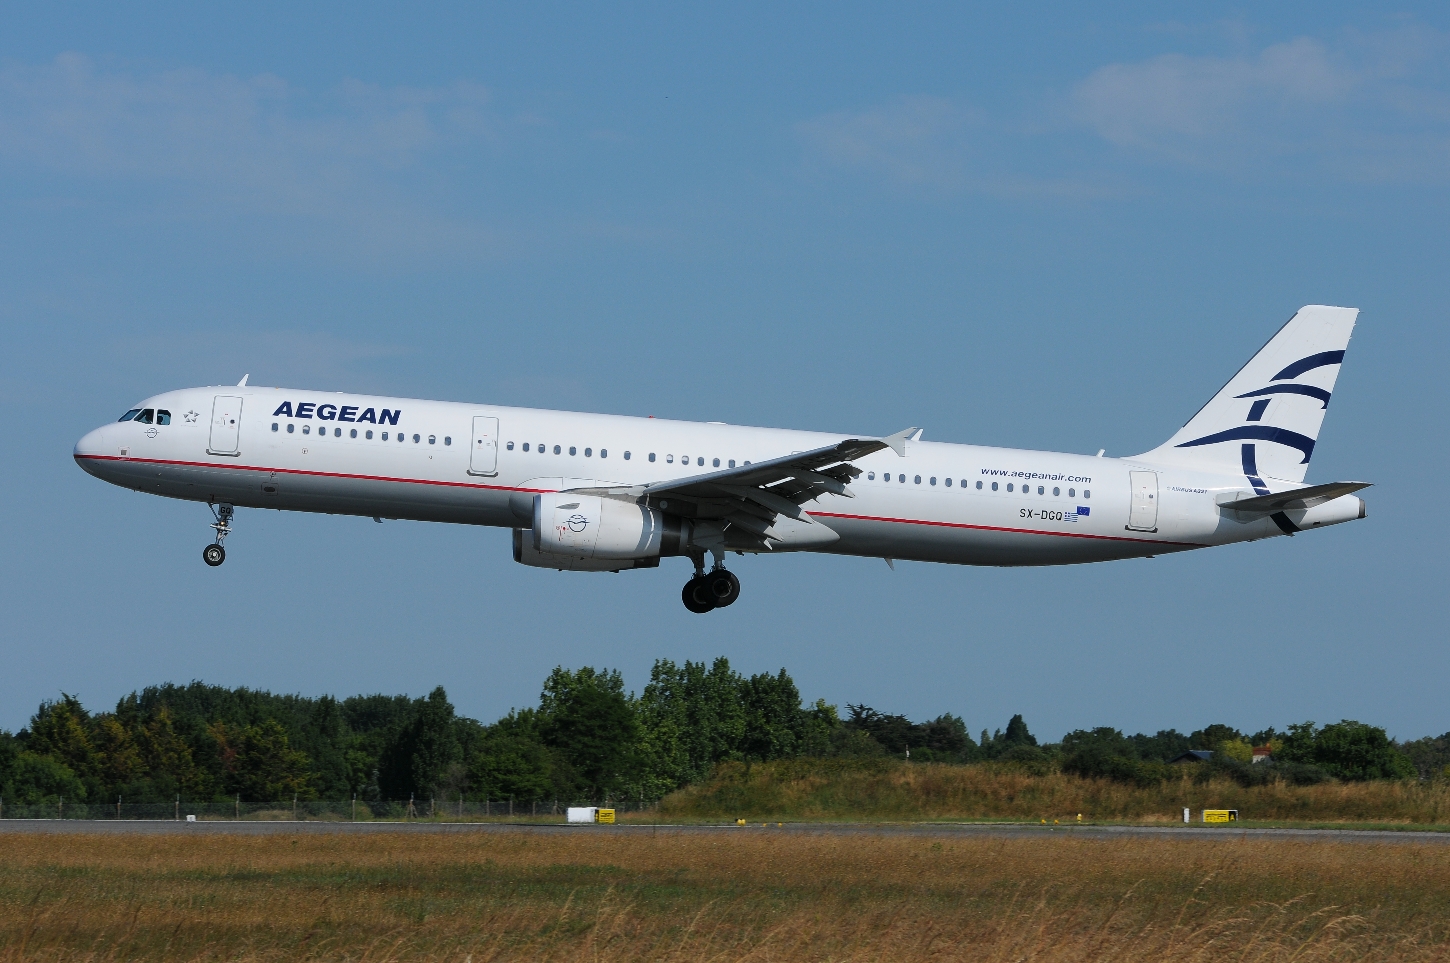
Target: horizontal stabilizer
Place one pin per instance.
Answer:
(1296, 499)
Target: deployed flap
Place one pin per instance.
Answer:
(746, 502)
(1265, 421)
(1296, 498)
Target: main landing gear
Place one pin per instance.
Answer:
(715, 590)
(214, 554)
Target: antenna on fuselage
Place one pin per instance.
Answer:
(243, 382)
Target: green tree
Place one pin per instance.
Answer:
(34, 779)
(512, 762)
(586, 716)
(260, 763)
(421, 758)
(60, 730)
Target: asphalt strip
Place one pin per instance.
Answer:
(934, 830)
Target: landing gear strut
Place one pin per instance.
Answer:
(714, 590)
(214, 554)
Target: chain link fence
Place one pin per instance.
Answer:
(440, 810)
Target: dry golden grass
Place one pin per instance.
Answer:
(605, 894)
(884, 789)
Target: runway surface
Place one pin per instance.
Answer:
(937, 830)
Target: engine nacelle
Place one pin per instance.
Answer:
(526, 554)
(594, 527)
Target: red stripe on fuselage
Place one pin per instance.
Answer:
(997, 528)
(315, 474)
(508, 488)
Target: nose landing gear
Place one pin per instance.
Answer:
(714, 590)
(214, 554)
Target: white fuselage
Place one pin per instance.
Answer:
(951, 503)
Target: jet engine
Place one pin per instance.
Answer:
(594, 527)
(526, 554)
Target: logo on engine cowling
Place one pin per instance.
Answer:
(577, 523)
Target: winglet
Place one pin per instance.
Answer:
(243, 382)
(897, 442)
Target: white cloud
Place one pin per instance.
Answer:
(929, 142)
(222, 145)
(917, 140)
(1366, 106)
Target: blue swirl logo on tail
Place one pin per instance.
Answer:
(1279, 436)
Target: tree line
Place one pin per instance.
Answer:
(590, 740)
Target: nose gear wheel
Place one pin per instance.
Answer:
(214, 554)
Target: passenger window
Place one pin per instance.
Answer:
(1009, 486)
(510, 446)
(870, 476)
(715, 463)
(651, 456)
(1056, 491)
(448, 440)
(336, 432)
(274, 426)
(626, 456)
(700, 462)
(306, 429)
(416, 439)
(918, 479)
(557, 449)
(588, 452)
(402, 437)
(432, 439)
(352, 433)
(902, 479)
(933, 479)
(604, 453)
(1040, 490)
(573, 450)
(669, 459)
(129, 415)
(994, 486)
(385, 436)
(368, 434)
(1086, 493)
(290, 426)
(732, 463)
(145, 416)
(526, 446)
(979, 486)
(163, 417)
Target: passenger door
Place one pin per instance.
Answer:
(483, 450)
(226, 425)
(1143, 515)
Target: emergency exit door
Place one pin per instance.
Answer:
(226, 425)
(483, 454)
(1143, 515)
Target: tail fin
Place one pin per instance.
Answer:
(1266, 419)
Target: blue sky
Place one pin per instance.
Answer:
(1056, 227)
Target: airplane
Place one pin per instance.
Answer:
(596, 492)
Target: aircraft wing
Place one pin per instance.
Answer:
(1296, 499)
(747, 500)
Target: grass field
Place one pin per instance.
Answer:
(602, 894)
(816, 789)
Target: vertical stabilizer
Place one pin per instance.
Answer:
(1265, 421)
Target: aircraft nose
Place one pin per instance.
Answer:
(92, 444)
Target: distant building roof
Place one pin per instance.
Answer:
(1263, 751)
(1193, 755)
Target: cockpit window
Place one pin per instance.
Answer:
(145, 416)
(163, 417)
(129, 415)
